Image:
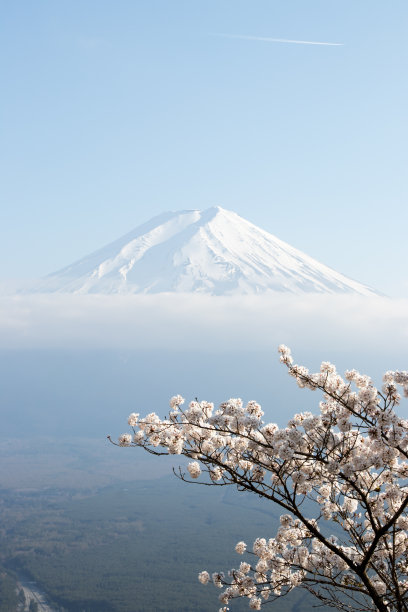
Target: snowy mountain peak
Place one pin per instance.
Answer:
(214, 251)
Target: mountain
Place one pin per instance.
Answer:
(214, 251)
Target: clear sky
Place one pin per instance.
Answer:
(112, 112)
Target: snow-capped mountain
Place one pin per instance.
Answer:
(213, 251)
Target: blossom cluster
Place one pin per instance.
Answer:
(350, 460)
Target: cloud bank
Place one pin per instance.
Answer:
(202, 323)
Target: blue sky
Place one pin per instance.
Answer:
(113, 112)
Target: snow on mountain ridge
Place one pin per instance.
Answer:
(213, 251)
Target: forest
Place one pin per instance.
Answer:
(133, 546)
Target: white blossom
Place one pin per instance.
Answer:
(194, 469)
(348, 463)
(204, 577)
(240, 548)
(125, 439)
(132, 419)
(176, 401)
(255, 603)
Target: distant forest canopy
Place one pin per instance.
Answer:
(136, 546)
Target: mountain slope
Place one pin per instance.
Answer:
(213, 251)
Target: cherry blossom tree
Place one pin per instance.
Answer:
(347, 465)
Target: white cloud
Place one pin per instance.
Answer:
(198, 322)
(280, 40)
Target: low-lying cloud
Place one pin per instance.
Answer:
(198, 322)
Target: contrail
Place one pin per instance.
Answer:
(279, 40)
